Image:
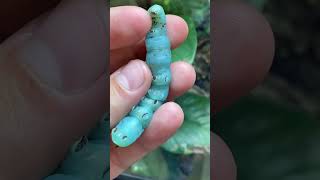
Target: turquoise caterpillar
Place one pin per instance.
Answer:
(158, 58)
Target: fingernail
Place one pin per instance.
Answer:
(131, 76)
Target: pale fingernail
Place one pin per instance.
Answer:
(131, 76)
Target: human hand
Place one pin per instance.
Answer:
(128, 27)
(53, 80)
(243, 53)
(27, 139)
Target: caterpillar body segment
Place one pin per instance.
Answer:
(127, 131)
(144, 113)
(159, 93)
(162, 77)
(153, 104)
(158, 58)
(158, 43)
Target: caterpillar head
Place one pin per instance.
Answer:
(157, 14)
(127, 131)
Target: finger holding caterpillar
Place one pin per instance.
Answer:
(122, 100)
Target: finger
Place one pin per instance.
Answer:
(167, 119)
(242, 51)
(222, 166)
(128, 25)
(127, 86)
(183, 78)
(122, 100)
(177, 32)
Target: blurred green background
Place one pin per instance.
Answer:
(274, 132)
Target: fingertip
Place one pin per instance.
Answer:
(173, 113)
(166, 120)
(128, 25)
(183, 78)
(183, 70)
(170, 116)
(177, 30)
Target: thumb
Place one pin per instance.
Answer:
(127, 86)
(55, 79)
(67, 47)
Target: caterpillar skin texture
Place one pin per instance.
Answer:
(158, 59)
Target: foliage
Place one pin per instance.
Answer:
(187, 50)
(194, 135)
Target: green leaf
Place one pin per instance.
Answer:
(187, 50)
(194, 134)
(197, 10)
(152, 165)
(176, 7)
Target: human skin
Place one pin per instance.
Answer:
(41, 147)
(51, 70)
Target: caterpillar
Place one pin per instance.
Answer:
(158, 58)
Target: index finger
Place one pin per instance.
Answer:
(128, 25)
